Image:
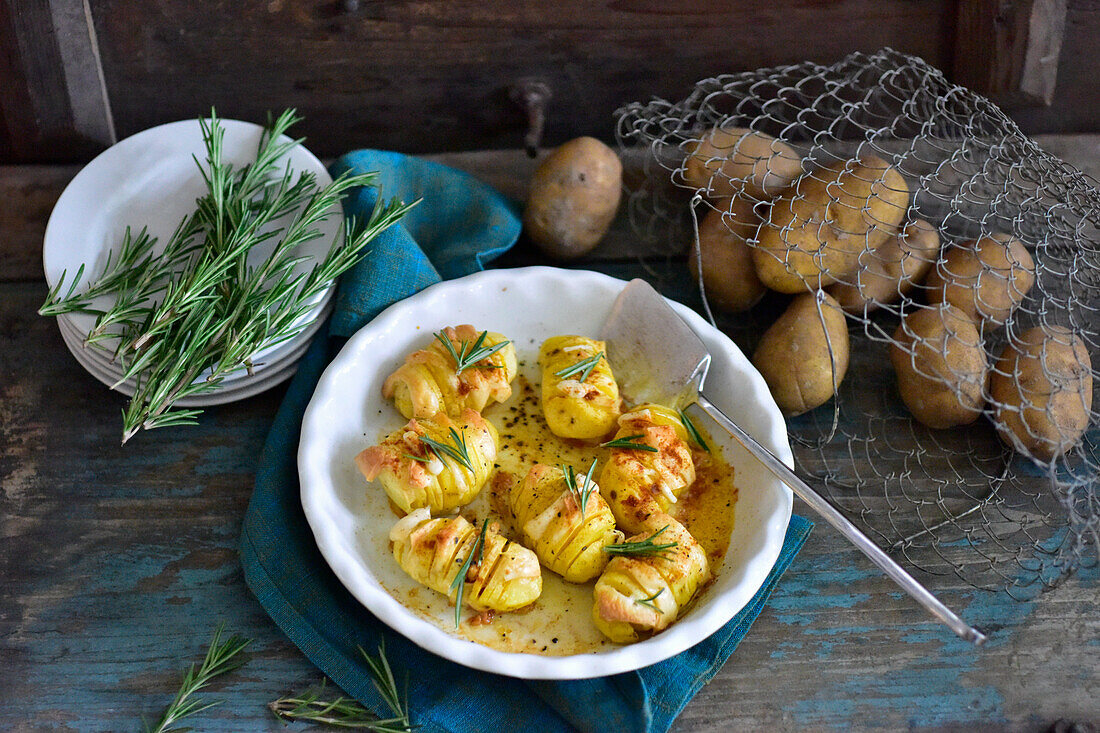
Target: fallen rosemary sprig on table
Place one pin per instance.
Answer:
(583, 367)
(641, 547)
(199, 307)
(467, 355)
(221, 658)
(629, 441)
(459, 583)
(580, 493)
(344, 712)
(456, 450)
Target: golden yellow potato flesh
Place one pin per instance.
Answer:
(433, 551)
(568, 538)
(429, 381)
(640, 595)
(414, 475)
(639, 484)
(576, 407)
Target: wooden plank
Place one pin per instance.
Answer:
(1008, 50)
(118, 562)
(414, 77)
(54, 104)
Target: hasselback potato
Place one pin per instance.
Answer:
(638, 595)
(549, 515)
(578, 401)
(433, 552)
(640, 483)
(415, 474)
(430, 380)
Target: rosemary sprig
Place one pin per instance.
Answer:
(692, 431)
(580, 493)
(629, 442)
(456, 450)
(468, 355)
(347, 713)
(644, 547)
(201, 307)
(459, 582)
(650, 601)
(583, 367)
(221, 658)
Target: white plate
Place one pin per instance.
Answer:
(347, 413)
(240, 390)
(151, 179)
(276, 357)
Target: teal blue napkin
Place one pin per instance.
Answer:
(461, 225)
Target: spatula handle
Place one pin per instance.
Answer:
(818, 503)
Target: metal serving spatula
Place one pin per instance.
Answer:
(645, 337)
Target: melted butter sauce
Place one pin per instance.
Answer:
(560, 622)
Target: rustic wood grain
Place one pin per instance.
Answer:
(54, 105)
(116, 563)
(1008, 50)
(423, 77)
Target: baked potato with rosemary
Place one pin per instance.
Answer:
(500, 575)
(644, 590)
(462, 368)
(436, 463)
(649, 466)
(563, 518)
(580, 398)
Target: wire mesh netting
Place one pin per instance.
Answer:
(962, 434)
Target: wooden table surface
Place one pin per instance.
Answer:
(116, 563)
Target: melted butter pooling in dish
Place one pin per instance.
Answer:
(560, 622)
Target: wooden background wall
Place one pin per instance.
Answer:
(420, 76)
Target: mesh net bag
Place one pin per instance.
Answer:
(963, 435)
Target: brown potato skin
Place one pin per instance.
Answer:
(819, 227)
(736, 160)
(1041, 389)
(886, 274)
(986, 278)
(729, 277)
(574, 196)
(793, 354)
(941, 366)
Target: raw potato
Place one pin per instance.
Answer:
(819, 227)
(941, 366)
(891, 271)
(729, 276)
(574, 196)
(986, 278)
(793, 355)
(1042, 391)
(730, 161)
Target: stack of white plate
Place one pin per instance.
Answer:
(152, 180)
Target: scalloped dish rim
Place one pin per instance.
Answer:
(329, 518)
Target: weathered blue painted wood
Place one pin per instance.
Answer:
(117, 563)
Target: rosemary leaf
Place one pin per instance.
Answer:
(583, 367)
(650, 601)
(467, 355)
(629, 442)
(459, 583)
(580, 493)
(221, 658)
(456, 450)
(185, 318)
(343, 712)
(689, 426)
(645, 547)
